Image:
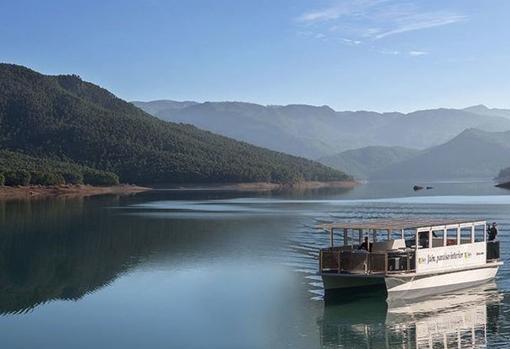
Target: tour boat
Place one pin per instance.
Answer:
(422, 256)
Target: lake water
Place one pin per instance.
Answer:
(212, 269)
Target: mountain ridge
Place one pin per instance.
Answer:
(317, 131)
(472, 154)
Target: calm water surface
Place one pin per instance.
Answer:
(171, 269)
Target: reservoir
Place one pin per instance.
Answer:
(225, 269)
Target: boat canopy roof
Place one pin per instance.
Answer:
(401, 224)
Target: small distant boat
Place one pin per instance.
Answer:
(417, 187)
(410, 258)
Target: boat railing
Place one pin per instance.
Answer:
(354, 262)
(347, 260)
(330, 258)
(492, 250)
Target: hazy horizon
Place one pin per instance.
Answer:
(316, 105)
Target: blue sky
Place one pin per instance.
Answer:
(367, 54)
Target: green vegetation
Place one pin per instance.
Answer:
(65, 118)
(17, 177)
(97, 177)
(20, 169)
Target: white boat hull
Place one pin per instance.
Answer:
(420, 285)
(415, 285)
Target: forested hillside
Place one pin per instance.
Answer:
(66, 118)
(21, 169)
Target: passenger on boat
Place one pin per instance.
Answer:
(424, 238)
(492, 232)
(364, 246)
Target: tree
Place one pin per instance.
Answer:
(19, 177)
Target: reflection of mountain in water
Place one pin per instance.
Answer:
(66, 248)
(49, 250)
(457, 320)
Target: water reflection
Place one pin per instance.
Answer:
(455, 320)
(64, 249)
(49, 250)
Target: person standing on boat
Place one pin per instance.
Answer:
(493, 232)
(364, 245)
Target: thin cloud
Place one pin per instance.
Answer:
(346, 8)
(430, 22)
(390, 52)
(317, 16)
(376, 19)
(351, 41)
(418, 53)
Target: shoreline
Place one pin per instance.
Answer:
(261, 186)
(79, 190)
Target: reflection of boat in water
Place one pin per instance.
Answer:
(409, 258)
(455, 320)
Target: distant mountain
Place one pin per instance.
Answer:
(483, 110)
(155, 107)
(364, 162)
(472, 154)
(315, 132)
(66, 118)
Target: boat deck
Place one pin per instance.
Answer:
(407, 246)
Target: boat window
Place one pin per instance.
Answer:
(451, 237)
(409, 237)
(438, 238)
(479, 233)
(423, 239)
(465, 235)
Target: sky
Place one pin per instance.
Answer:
(382, 55)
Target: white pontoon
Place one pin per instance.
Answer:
(421, 256)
